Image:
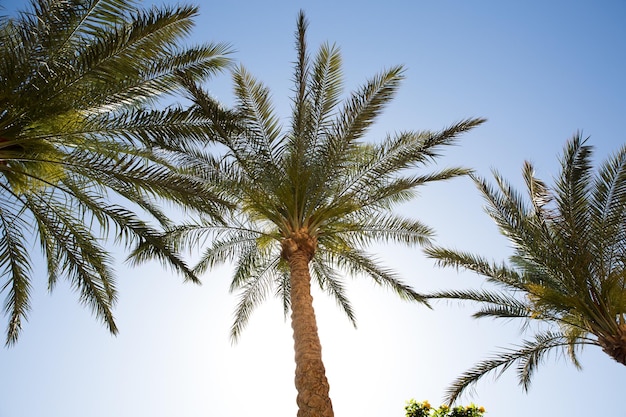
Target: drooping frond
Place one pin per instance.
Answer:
(86, 264)
(283, 287)
(257, 279)
(528, 357)
(330, 281)
(15, 266)
(358, 262)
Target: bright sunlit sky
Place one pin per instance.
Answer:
(538, 71)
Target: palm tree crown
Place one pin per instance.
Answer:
(310, 199)
(568, 267)
(76, 137)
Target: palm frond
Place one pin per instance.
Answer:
(528, 356)
(85, 263)
(358, 113)
(15, 265)
(497, 274)
(324, 92)
(357, 262)
(607, 207)
(228, 244)
(330, 281)
(301, 110)
(254, 104)
(538, 192)
(376, 177)
(362, 108)
(283, 287)
(499, 305)
(258, 281)
(318, 86)
(382, 227)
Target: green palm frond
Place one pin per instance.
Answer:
(375, 180)
(76, 133)
(497, 274)
(352, 120)
(85, 20)
(358, 262)
(283, 287)
(498, 305)
(231, 246)
(572, 187)
(318, 86)
(528, 357)
(330, 281)
(508, 209)
(86, 264)
(362, 108)
(322, 98)
(399, 190)
(382, 227)
(14, 263)
(250, 259)
(255, 106)
(258, 279)
(607, 215)
(538, 193)
(222, 125)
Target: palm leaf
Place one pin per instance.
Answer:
(76, 133)
(330, 281)
(259, 278)
(528, 356)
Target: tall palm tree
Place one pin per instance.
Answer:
(79, 143)
(568, 268)
(310, 199)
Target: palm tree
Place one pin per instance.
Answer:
(568, 268)
(310, 199)
(79, 143)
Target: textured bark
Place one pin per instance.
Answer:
(313, 389)
(615, 345)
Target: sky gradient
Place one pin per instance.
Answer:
(538, 72)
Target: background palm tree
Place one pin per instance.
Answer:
(310, 199)
(77, 141)
(568, 268)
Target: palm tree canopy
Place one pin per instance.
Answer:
(315, 184)
(309, 198)
(77, 140)
(568, 267)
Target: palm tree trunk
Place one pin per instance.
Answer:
(313, 398)
(615, 345)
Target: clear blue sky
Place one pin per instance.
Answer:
(539, 71)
